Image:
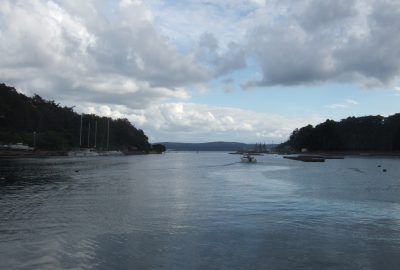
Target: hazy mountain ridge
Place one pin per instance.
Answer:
(210, 146)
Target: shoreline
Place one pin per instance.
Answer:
(62, 153)
(54, 153)
(349, 154)
(31, 154)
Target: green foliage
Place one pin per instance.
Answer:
(158, 148)
(368, 133)
(58, 127)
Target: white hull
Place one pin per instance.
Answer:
(111, 153)
(83, 153)
(248, 159)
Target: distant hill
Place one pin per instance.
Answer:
(210, 146)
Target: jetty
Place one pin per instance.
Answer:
(305, 158)
(312, 158)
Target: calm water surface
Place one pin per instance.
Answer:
(199, 211)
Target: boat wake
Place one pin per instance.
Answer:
(220, 165)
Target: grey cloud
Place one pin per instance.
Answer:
(375, 55)
(143, 54)
(72, 46)
(328, 41)
(288, 57)
(53, 51)
(228, 85)
(233, 59)
(208, 40)
(220, 63)
(249, 84)
(320, 14)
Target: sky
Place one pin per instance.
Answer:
(207, 70)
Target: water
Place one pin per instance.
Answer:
(199, 211)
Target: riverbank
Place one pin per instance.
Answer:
(11, 153)
(328, 154)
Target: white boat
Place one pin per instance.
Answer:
(110, 153)
(83, 153)
(247, 158)
(92, 152)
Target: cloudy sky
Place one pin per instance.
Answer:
(207, 70)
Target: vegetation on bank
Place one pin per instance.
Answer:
(46, 125)
(368, 133)
(217, 146)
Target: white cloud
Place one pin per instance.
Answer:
(351, 102)
(295, 43)
(154, 42)
(317, 42)
(304, 42)
(397, 89)
(337, 106)
(140, 54)
(346, 104)
(185, 121)
(117, 58)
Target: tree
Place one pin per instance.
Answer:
(367, 133)
(58, 127)
(160, 148)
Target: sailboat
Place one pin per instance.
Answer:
(84, 152)
(108, 152)
(92, 152)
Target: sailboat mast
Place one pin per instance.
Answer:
(95, 136)
(108, 133)
(88, 137)
(80, 133)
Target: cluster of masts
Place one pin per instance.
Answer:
(260, 148)
(95, 134)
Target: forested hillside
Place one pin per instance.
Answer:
(33, 120)
(368, 133)
(212, 146)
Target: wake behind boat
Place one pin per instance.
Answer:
(247, 158)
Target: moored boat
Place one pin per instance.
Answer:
(247, 158)
(306, 158)
(83, 153)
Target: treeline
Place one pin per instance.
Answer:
(47, 125)
(217, 146)
(368, 133)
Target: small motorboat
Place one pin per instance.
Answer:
(247, 158)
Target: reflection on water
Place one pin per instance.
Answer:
(199, 211)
